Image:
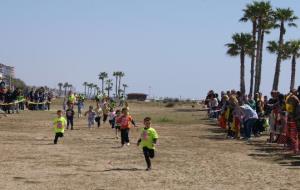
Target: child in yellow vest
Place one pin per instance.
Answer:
(148, 141)
(59, 125)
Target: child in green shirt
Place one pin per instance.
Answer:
(147, 141)
(59, 124)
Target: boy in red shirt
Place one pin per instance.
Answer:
(125, 120)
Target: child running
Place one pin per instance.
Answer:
(80, 104)
(111, 118)
(117, 125)
(105, 109)
(148, 141)
(70, 117)
(125, 119)
(99, 113)
(91, 116)
(59, 126)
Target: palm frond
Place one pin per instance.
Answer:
(292, 25)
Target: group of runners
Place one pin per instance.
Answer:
(246, 116)
(106, 111)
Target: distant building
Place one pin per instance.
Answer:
(7, 72)
(137, 96)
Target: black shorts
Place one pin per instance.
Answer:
(97, 119)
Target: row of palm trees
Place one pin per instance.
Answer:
(92, 89)
(67, 87)
(103, 76)
(264, 18)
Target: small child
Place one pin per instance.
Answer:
(80, 105)
(111, 118)
(147, 141)
(99, 113)
(117, 125)
(125, 119)
(59, 126)
(91, 116)
(70, 117)
(64, 104)
(105, 110)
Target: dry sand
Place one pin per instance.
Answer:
(194, 155)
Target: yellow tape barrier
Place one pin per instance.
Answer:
(12, 103)
(29, 102)
(38, 103)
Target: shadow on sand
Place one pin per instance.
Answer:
(190, 110)
(123, 169)
(275, 152)
(217, 133)
(271, 152)
(116, 147)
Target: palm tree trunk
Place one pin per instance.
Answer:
(242, 72)
(119, 86)
(293, 74)
(260, 59)
(278, 60)
(252, 58)
(277, 73)
(116, 85)
(102, 86)
(256, 89)
(84, 90)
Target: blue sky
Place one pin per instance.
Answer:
(174, 46)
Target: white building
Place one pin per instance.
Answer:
(7, 73)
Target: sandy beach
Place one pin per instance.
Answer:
(190, 155)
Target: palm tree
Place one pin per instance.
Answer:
(102, 76)
(95, 89)
(116, 74)
(90, 86)
(60, 85)
(124, 88)
(294, 52)
(70, 86)
(282, 16)
(121, 74)
(251, 13)
(242, 45)
(109, 84)
(267, 25)
(264, 16)
(276, 48)
(85, 85)
(65, 86)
